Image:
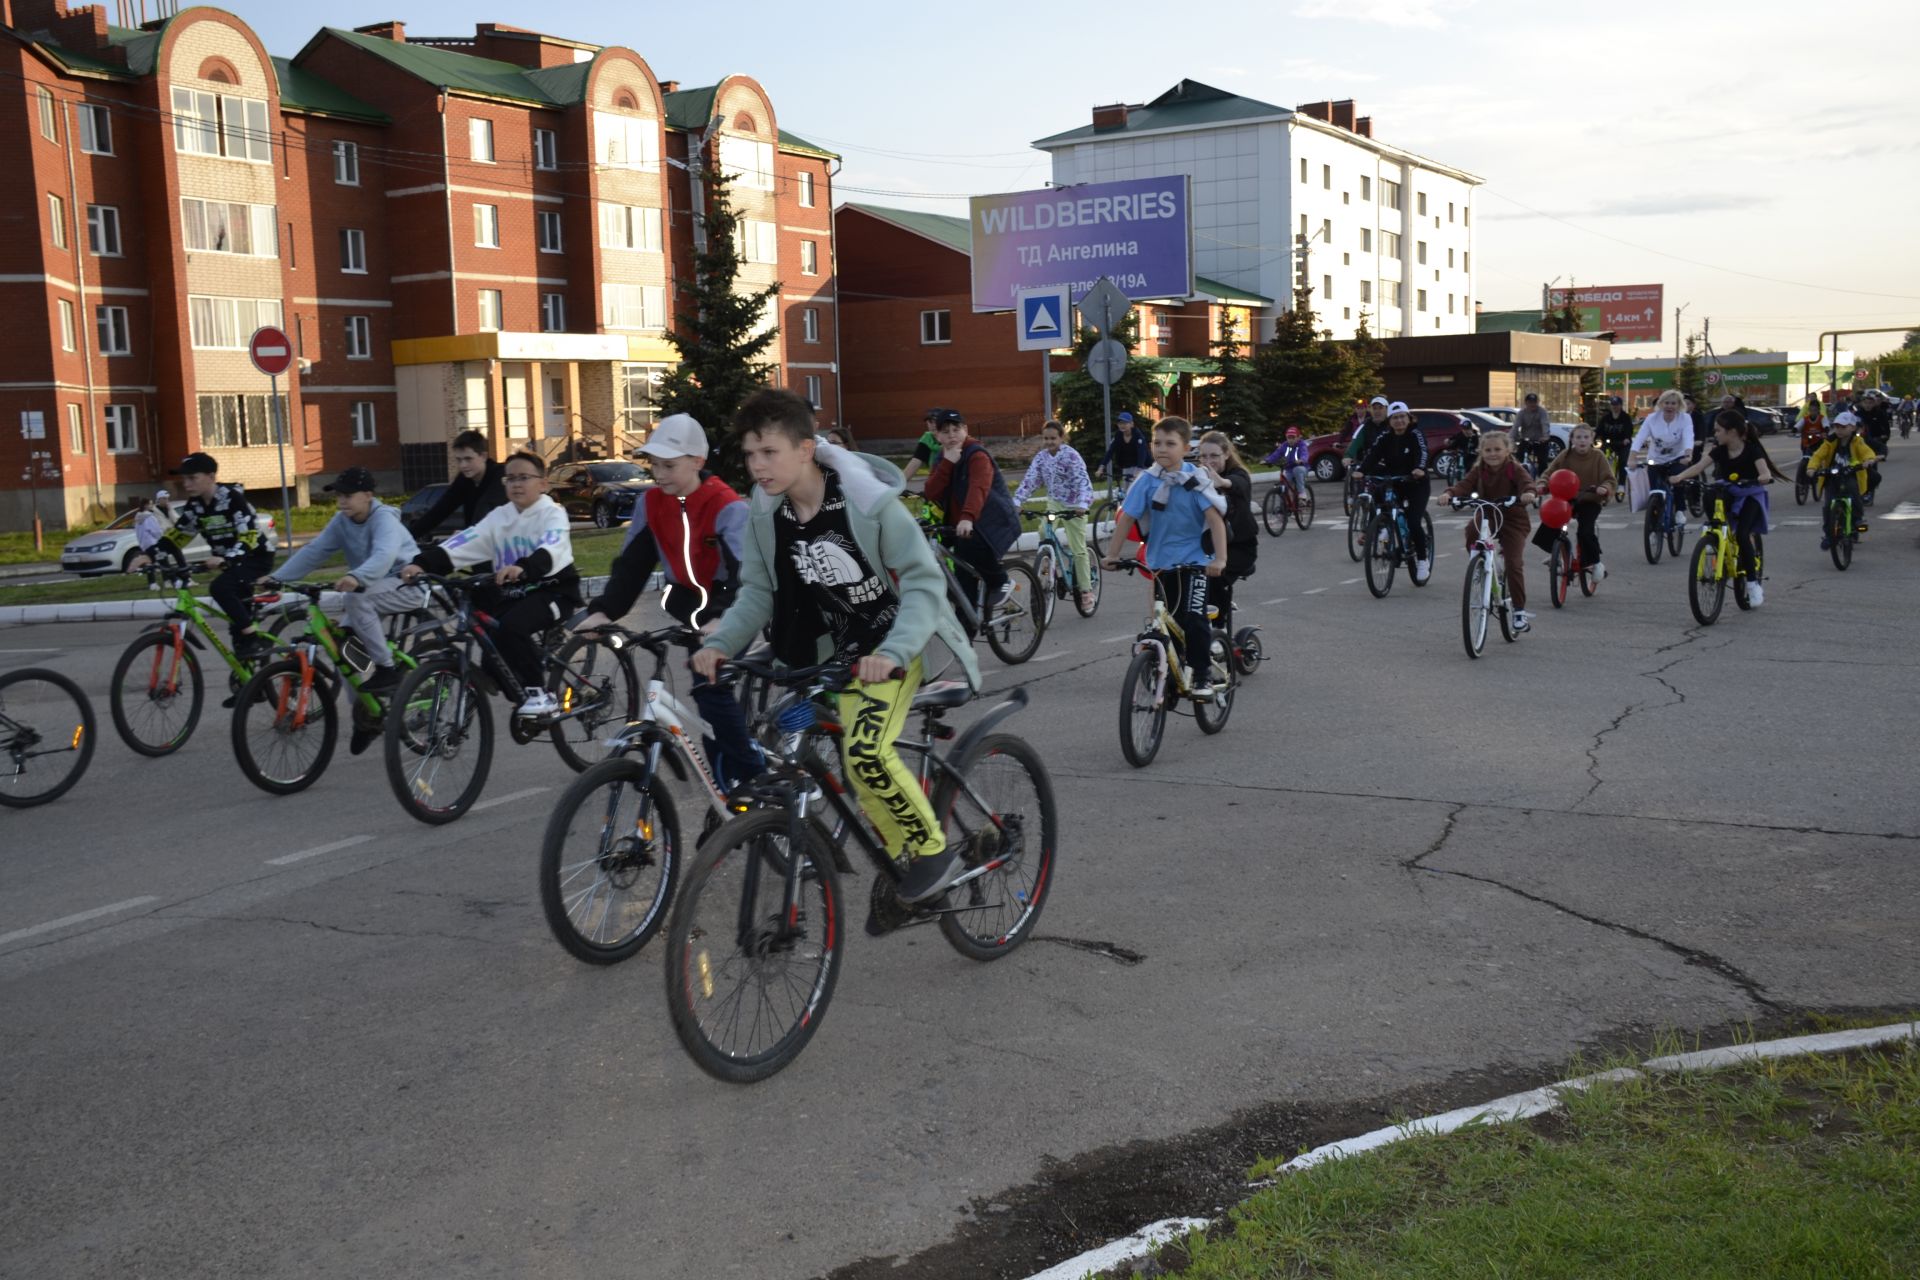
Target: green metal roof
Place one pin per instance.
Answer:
(1528, 321)
(1228, 293)
(794, 142)
(941, 228)
(1185, 106)
(690, 109)
(450, 69)
(564, 83)
(142, 47)
(304, 92)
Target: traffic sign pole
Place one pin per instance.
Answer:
(272, 353)
(280, 442)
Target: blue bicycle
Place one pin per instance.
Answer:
(1053, 565)
(1665, 528)
(1389, 543)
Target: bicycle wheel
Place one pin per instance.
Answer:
(1559, 573)
(1101, 515)
(594, 682)
(1143, 708)
(1706, 588)
(1273, 510)
(1046, 574)
(283, 733)
(1588, 583)
(609, 860)
(1696, 503)
(1357, 520)
(1248, 652)
(1014, 633)
(1677, 539)
(748, 977)
(1839, 532)
(1005, 813)
(1303, 508)
(1092, 606)
(1503, 606)
(439, 743)
(1653, 536)
(1347, 497)
(46, 736)
(1382, 554)
(1212, 716)
(1802, 485)
(1476, 603)
(157, 693)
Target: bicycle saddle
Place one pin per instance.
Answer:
(941, 695)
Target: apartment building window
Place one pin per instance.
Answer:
(359, 338)
(486, 226)
(1326, 177)
(810, 324)
(553, 312)
(1449, 211)
(806, 191)
(66, 325)
(1421, 299)
(1390, 292)
(480, 140)
(210, 124)
(1326, 230)
(546, 149)
(1303, 226)
(547, 224)
(758, 241)
(626, 142)
(633, 306)
(1420, 200)
(1449, 258)
(628, 227)
(220, 226)
(238, 421)
(1389, 244)
(936, 328)
(747, 163)
(116, 339)
(1420, 251)
(1466, 260)
(813, 390)
(225, 324)
(353, 251)
(123, 430)
(1449, 304)
(49, 124)
(809, 257)
(76, 429)
(1390, 195)
(96, 129)
(363, 424)
(346, 163)
(1303, 169)
(1326, 288)
(490, 308)
(103, 230)
(1366, 291)
(1366, 239)
(1366, 187)
(57, 219)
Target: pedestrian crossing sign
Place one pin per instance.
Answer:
(1043, 317)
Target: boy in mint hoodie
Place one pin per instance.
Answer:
(834, 562)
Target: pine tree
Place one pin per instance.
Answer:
(718, 335)
(1232, 398)
(1687, 377)
(1076, 396)
(1305, 379)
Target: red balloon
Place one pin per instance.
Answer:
(1564, 484)
(1555, 512)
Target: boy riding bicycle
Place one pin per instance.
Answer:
(1849, 444)
(1059, 469)
(222, 515)
(966, 486)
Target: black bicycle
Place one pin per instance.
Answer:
(1389, 540)
(46, 736)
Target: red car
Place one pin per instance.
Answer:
(1326, 454)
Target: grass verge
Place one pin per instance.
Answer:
(1802, 1167)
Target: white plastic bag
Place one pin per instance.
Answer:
(1637, 488)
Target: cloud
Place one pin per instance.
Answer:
(1388, 13)
(1659, 206)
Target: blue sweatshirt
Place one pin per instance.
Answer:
(372, 550)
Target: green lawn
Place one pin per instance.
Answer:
(1808, 1167)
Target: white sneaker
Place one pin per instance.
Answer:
(1421, 568)
(1599, 571)
(1003, 595)
(1202, 693)
(1756, 595)
(1522, 620)
(538, 703)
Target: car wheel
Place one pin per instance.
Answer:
(1326, 468)
(603, 515)
(126, 561)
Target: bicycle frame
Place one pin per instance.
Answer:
(1050, 537)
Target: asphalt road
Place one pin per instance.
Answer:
(248, 1036)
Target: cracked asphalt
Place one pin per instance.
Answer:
(1397, 875)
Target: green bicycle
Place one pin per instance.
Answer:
(1053, 565)
(1716, 562)
(1839, 525)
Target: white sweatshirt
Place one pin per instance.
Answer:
(507, 535)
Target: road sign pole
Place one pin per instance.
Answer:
(1106, 417)
(1046, 385)
(280, 443)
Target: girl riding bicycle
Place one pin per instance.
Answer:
(1596, 488)
(1742, 464)
(1232, 480)
(1400, 454)
(1497, 477)
(1291, 455)
(1062, 472)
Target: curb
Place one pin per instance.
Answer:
(29, 615)
(1515, 1106)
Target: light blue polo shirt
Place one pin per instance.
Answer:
(1173, 534)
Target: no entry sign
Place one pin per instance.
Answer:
(271, 350)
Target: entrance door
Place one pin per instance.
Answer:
(556, 399)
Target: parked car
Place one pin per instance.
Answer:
(112, 549)
(1443, 428)
(1561, 432)
(422, 501)
(603, 492)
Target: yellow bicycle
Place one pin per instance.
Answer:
(1158, 679)
(1716, 562)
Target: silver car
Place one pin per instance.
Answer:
(112, 549)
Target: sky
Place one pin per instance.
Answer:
(1738, 153)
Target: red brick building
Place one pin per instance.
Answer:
(912, 339)
(492, 231)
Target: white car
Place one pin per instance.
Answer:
(111, 549)
(1562, 432)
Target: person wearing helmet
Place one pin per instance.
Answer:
(1846, 444)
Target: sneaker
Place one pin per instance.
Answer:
(1826, 543)
(381, 679)
(1003, 595)
(1522, 620)
(929, 877)
(1086, 599)
(538, 703)
(1599, 572)
(249, 647)
(1421, 568)
(1756, 595)
(1201, 692)
(360, 740)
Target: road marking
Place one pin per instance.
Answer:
(304, 854)
(11, 649)
(1049, 657)
(1443, 555)
(1313, 591)
(1275, 600)
(1347, 582)
(509, 798)
(1125, 635)
(80, 918)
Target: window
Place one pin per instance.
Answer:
(546, 149)
(353, 251)
(1326, 230)
(813, 390)
(810, 324)
(633, 306)
(627, 227)
(489, 310)
(1346, 259)
(1303, 168)
(359, 338)
(1449, 211)
(1390, 292)
(758, 241)
(225, 324)
(1466, 260)
(553, 312)
(346, 163)
(76, 429)
(363, 422)
(806, 191)
(221, 125)
(1420, 199)
(547, 223)
(49, 128)
(238, 421)
(66, 325)
(123, 432)
(936, 327)
(217, 226)
(103, 230)
(57, 219)
(486, 226)
(626, 142)
(1420, 251)
(110, 323)
(1366, 239)
(480, 140)
(1366, 291)
(1421, 297)
(809, 257)
(747, 163)
(1366, 188)
(1303, 226)
(96, 129)
(1326, 177)
(1389, 244)
(1326, 288)
(1449, 304)
(1466, 217)
(1390, 194)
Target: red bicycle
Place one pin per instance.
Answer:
(1563, 566)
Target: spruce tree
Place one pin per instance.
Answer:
(1076, 396)
(1233, 397)
(1305, 379)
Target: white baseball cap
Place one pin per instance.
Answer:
(1397, 407)
(677, 436)
(162, 496)
(1845, 419)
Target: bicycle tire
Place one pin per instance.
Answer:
(620, 860)
(1802, 485)
(128, 706)
(1093, 586)
(692, 962)
(1706, 588)
(1248, 652)
(1303, 506)
(1003, 629)
(1839, 528)
(1273, 510)
(1046, 573)
(1026, 878)
(1357, 521)
(1559, 574)
(607, 675)
(1476, 602)
(1143, 708)
(1433, 545)
(275, 686)
(1588, 583)
(1382, 555)
(16, 751)
(424, 692)
(1677, 539)
(1212, 716)
(1101, 514)
(1347, 497)
(1653, 538)
(1503, 610)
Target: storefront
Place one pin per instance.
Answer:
(1767, 379)
(1463, 371)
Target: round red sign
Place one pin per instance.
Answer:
(271, 350)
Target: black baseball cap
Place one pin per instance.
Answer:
(196, 464)
(353, 480)
(1533, 395)
(947, 417)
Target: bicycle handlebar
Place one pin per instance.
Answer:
(1475, 500)
(832, 677)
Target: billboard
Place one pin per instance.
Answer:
(1137, 233)
(1633, 311)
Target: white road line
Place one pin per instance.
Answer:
(1125, 635)
(79, 918)
(304, 854)
(1313, 591)
(1347, 582)
(11, 649)
(1049, 657)
(1443, 555)
(509, 798)
(1275, 600)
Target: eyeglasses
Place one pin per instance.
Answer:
(511, 476)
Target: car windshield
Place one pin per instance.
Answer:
(615, 472)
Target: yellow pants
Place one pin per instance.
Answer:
(1075, 530)
(888, 792)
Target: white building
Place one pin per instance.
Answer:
(1388, 233)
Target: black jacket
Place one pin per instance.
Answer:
(1123, 453)
(473, 498)
(1243, 529)
(1392, 453)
